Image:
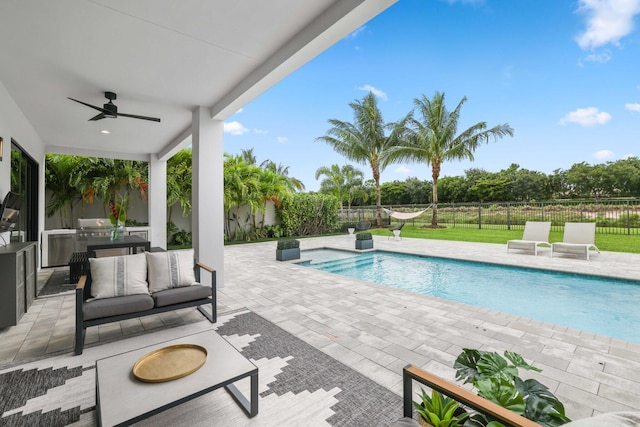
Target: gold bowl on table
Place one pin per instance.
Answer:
(170, 363)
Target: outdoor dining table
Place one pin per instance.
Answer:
(130, 242)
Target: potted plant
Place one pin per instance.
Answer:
(288, 249)
(439, 411)
(496, 379)
(364, 240)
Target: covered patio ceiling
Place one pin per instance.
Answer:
(163, 58)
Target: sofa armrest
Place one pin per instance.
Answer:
(79, 336)
(205, 267)
(200, 266)
(81, 283)
(214, 297)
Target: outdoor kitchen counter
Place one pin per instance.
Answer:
(58, 245)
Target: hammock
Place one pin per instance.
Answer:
(403, 215)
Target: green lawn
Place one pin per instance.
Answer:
(604, 242)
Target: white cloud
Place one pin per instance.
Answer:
(586, 117)
(235, 128)
(282, 139)
(603, 154)
(632, 107)
(627, 156)
(240, 110)
(261, 131)
(357, 32)
(377, 92)
(403, 170)
(607, 21)
(598, 57)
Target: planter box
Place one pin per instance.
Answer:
(364, 244)
(287, 254)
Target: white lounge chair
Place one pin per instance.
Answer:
(535, 233)
(578, 238)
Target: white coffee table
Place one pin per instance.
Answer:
(121, 399)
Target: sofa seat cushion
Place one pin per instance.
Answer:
(179, 295)
(107, 307)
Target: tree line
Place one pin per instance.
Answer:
(612, 179)
(429, 134)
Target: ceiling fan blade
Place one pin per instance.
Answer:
(88, 105)
(98, 117)
(133, 116)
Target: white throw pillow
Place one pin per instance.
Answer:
(171, 269)
(118, 276)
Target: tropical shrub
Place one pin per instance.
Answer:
(182, 238)
(288, 244)
(440, 411)
(497, 380)
(308, 214)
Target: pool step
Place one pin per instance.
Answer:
(338, 265)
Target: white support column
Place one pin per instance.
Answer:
(208, 191)
(158, 201)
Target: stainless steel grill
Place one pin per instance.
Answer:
(90, 227)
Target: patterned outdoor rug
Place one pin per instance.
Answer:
(299, 385)
(57, 283)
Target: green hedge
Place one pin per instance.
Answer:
(303, 214)
(288, 244)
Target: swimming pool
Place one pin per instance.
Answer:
(603, 306)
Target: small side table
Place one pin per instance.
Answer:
(396, 235)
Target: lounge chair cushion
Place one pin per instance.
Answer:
(171, 269)
(118, 276)
(535, 233)
(107, 307)
(181, 294)
(579, 238)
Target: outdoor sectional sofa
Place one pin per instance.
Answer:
(131, 286)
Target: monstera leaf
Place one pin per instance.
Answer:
(502, 392)
(519, 362)
(541, 405)
(466, 365)
(492, 365)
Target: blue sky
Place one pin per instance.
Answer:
(564, 74)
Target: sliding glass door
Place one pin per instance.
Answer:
(24, 181)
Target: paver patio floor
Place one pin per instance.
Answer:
(378, 330)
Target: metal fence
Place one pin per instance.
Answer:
(610, 216)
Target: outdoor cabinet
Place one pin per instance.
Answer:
(18, 278)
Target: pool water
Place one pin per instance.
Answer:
(599, 305)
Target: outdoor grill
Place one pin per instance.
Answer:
(59, 246)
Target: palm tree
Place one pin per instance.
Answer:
(58, 169)
(293, 184)
(434, 139)
(105, 178)
(365, 141)
(342, 182)
(333, 183)
(179, 182)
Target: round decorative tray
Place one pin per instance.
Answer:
(170, 363)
